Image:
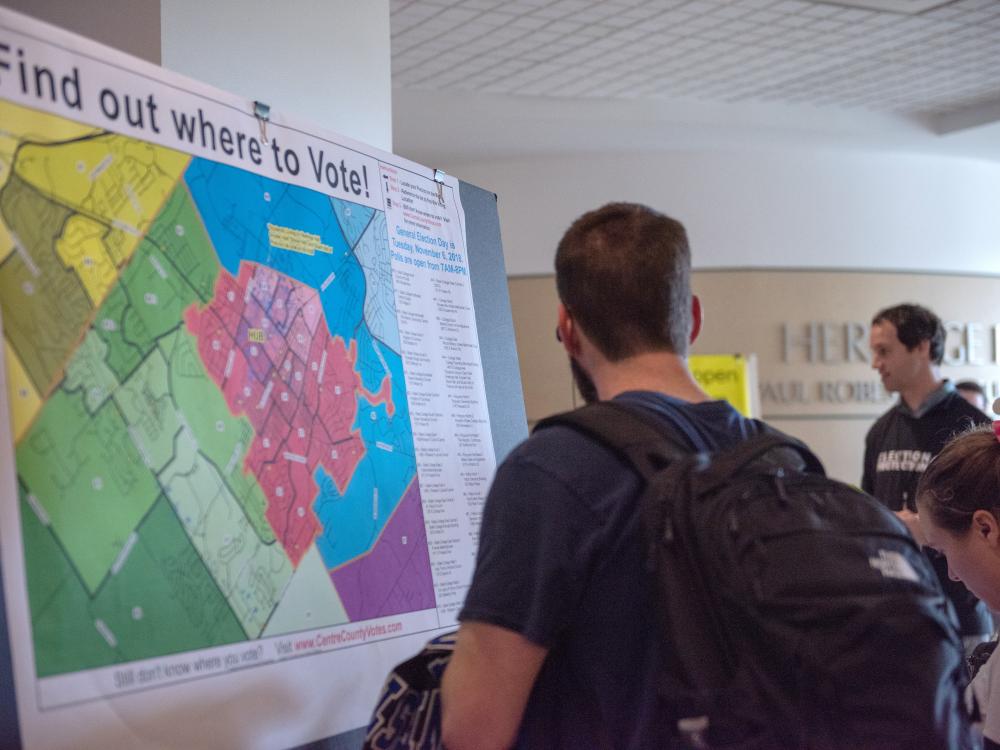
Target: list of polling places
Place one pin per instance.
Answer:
(444, 373)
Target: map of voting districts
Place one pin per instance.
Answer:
(212, 435)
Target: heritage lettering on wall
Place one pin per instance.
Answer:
(839, 353)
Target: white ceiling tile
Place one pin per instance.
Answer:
(617, 21)
(731, 11)
(700, 6)
(714, 34)
(721, 50)
(550, 13)
(525, 22)
(641, 14)
(595, 13)
(563, 26)
(792, 6)
(628, 36)
(821, 10)
(984, 4)
(825, 25)
(679, 15)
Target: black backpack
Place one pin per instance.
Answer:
(408, 713)
(796, 611)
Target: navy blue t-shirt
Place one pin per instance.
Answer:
(559, 562)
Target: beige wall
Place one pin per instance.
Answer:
(829, 402)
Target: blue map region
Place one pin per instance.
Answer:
(380, 301)
(350, 526)
(353, 219)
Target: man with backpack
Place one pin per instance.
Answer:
(569, 640)
(557, 628)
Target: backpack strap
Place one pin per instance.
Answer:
(649, 445)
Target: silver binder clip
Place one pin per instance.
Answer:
(263, 114)
(439, 176)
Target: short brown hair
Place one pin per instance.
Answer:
(623, 271)
(972, 386)
(914, 325)
(963, 478)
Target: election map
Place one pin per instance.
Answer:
(211, 425)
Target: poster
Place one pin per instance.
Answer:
(244, 439)
(729, 377)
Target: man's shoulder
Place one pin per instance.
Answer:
(957, 409)
(552, 442)
(566, 455)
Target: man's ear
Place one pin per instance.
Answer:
(566, 331)
(924, 347)
(986, 526)
(696, 317)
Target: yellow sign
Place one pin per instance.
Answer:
(730, 377)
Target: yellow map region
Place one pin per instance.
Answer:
(6, 241)
(24, 399)
(113, 187)
(81, 247)
(286, 238)
(19, 124)
(119, 182)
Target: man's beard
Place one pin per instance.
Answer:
(583, 381)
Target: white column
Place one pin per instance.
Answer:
(327, 61)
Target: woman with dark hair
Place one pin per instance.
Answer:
(958, 500)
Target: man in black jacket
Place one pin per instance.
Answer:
(907, 343)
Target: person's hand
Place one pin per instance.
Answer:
(912, 521)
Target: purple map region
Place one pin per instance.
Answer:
(395, 576)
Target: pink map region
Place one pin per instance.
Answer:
(396, 576)
(265, 343)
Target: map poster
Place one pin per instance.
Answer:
(244, 438)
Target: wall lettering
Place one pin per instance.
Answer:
(826, 343)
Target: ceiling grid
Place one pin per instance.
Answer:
(798, 52)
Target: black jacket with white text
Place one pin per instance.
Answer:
(898, 448)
